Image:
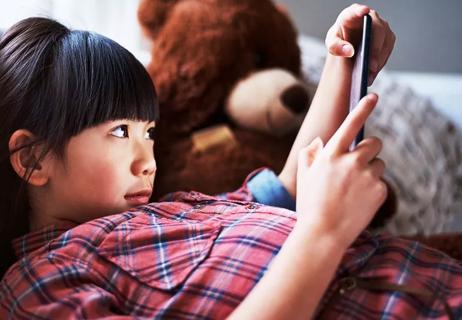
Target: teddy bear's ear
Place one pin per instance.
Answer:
(152, 15)
(283, 9)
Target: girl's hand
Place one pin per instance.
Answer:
(346, 32)
(338, 191)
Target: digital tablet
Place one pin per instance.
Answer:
(361, 71)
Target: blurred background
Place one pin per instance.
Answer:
(427, 55)
(429, 33)
(113, 18)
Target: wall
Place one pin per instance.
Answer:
(429, 32)
(115, 19)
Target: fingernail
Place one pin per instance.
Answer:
(372, 96)
(317, 142)
(313, 142)
(347, 50)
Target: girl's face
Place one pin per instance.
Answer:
(106, 169)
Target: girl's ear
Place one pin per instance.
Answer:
(25, 158)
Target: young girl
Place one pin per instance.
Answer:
(77, 119)
(63, 97)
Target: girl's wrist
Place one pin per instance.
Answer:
(336, 62)
(311, 233)
(288, 178)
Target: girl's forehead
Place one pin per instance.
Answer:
(131, 121)
(110, 124)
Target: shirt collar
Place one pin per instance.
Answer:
(34, 240)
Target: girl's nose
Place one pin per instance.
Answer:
(144, 164)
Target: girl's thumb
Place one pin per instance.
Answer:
(341, 48)
(313, 149)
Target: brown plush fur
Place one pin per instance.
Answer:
(202, 48)
(219, 169)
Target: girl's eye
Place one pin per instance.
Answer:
(120, 131)
(150, 133)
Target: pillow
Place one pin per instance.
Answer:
(422, 150)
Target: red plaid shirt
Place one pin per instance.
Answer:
(196, 256)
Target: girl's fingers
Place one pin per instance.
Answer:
(309, 154)
(349, 129)
(377, 167)
(387, 48)
(314, 149)
(382, 191)
(337, 40)
(352, 16)
(368, 149)
(378, 39)
(339, 47)
(336, 45)
(383, 41)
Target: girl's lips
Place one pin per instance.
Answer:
(137, 198)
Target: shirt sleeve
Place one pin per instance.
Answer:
(267, 189)
(262, 186)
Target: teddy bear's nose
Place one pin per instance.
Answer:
(296, 98)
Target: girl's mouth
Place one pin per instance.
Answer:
(138, 198)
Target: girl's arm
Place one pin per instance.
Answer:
(331, 101)
(296, 280)
(338, 193)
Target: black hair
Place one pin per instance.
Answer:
(56, 82)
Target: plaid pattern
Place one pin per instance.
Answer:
(197, 257)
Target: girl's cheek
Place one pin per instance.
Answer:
(106, 178)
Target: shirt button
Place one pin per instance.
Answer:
(194, 195)
(252, 206)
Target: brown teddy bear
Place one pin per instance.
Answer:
(227, 76)
(212, 56)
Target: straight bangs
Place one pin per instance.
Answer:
(55, 83)
(94, 80)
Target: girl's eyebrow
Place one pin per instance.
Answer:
(115, 123)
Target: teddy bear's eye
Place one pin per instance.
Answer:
(260, 60)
